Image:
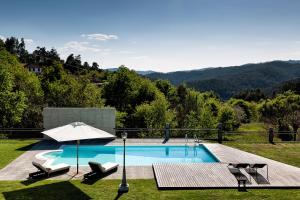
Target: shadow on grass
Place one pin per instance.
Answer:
(28, 147)
(97, 176)
(61, 190)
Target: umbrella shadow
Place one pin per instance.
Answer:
(49, 191)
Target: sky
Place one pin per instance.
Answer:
(159, 35)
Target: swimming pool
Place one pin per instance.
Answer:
(135, 155)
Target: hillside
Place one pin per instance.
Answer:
(227, 81)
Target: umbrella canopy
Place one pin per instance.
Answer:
(77, 131)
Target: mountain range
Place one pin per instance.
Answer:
(228, 81)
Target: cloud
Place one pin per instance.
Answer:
(296, 53)
(100, 36)
(138, 57)
(126, 52)
(2, 37)
(28, 41)
(79, 46)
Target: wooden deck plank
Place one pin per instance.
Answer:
(217, 175)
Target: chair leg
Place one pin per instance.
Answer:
(267, 172)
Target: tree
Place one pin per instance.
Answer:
(12, 45)
(70, 91)
(22, 52)
(154, 114)
(247, 108)
(12, 103)
(228, 118)
(95, 66)
(86, 65)
(251, 95)
(121, 90)
(73, 63)
(22, 96)
(283, 111)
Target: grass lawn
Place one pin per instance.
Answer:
(139, 189)
(11, 149)
(288, 153)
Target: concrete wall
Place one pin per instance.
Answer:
(102, 118)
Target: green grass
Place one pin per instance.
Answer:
(11, 149)
(253, 127)
(288, 153)
(139, 189)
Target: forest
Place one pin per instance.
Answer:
(230, 81)
(139, 101)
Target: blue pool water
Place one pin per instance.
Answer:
(135, 155)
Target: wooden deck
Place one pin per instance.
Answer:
(218, 175)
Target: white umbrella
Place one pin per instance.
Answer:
(77, 131)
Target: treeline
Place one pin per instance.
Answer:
(139, 101)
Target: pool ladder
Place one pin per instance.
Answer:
(196, 140)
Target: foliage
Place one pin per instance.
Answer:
(283, 111)
(229, 81)
(250, 95)
(248, 109)
(154, 114)
(228, 118)
(70, 91)
(22, 91)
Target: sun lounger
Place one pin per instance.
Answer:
(98, 168)
(48, 170)
(236, 170)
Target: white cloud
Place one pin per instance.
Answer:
(28, 41)
(100, 36)
(126, 52)
(138, 57)
(2, 37)
(296, 53)
(79, 46)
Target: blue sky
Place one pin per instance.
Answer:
(160, 35)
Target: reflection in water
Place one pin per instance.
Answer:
(167, 150)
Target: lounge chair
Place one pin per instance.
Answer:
(98, 168)
(255, 166)
(236, 167)
(48, 170)
(239, 165)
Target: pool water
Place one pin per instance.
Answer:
(135, 155)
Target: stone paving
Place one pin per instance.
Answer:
(22, 166)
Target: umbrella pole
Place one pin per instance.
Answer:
(77, 155)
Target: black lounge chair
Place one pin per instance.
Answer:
(255, 166)
(47, 171)
(100, 169)
(239, 165)
(236, 167)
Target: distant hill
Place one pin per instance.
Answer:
(139, 72)
(227, 81)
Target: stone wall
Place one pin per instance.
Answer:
(102, 118)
